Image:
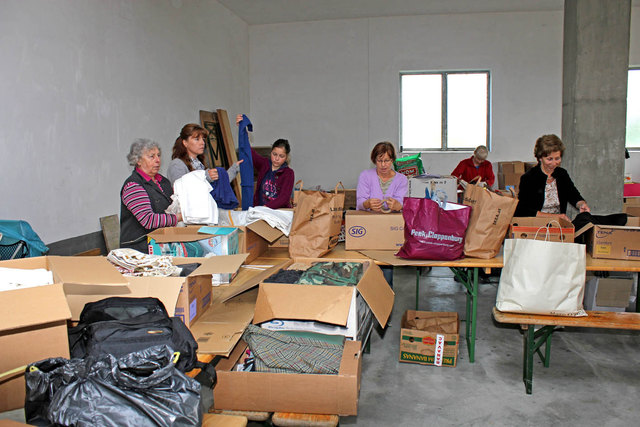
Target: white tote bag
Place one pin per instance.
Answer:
(542, 277)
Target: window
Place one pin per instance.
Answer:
(633, 109)
(444, 110)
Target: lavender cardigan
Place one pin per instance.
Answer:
(369, 187)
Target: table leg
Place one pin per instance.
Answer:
(469, 278)
(527, 365)
(418, 269)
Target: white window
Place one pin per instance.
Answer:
(633, 109)
(444, 110)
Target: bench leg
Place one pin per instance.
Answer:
(469, 278)
(531, 347)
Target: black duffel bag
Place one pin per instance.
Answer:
(120, 325)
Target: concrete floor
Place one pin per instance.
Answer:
(593, 379)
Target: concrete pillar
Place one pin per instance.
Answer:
(594, 98)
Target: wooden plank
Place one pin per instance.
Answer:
(90, 252)
(594, 319)
(214, 153)
(598, 264)
(110, 231)
(230, 148)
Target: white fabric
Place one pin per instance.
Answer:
(279, 219)
(196, 203)
(542, 277)
(18, 278)
(276, 218)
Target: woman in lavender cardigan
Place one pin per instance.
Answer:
(381, 189)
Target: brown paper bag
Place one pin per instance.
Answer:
(317, 218)
(490, 218)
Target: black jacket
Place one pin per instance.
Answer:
(531, 191)
(132, 233)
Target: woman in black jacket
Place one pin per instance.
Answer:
(546, 188)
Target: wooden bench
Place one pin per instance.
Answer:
(533, 339)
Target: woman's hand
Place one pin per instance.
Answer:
(179, 216)
(238, 119)
(213, 174)
(583, 207)
(373, 204)
(393, 204)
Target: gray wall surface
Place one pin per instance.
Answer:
(80, 80)
(332, 87)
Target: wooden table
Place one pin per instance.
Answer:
(534, 339)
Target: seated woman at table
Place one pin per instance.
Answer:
(144, 197)
(476, 168)
(381, 189)
(546, 188)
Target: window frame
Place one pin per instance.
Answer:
(444, 116)
(634, 149)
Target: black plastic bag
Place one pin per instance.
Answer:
(142, 388)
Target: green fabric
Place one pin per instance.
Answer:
(333, 273)
(329, 339)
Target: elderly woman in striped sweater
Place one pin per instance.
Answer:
(144, 197)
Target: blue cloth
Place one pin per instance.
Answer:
(222, 192)
(246, 167)
(21, 230)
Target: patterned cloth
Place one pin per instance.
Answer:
(333, 273)
(278, 352)
(134, 263)
(551, 200)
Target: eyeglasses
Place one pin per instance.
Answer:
(385, 161)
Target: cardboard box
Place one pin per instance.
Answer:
(429, 338)
(506, 180)
(211, 240)
(512, 167)
(614, 242)
(607, 294)
(425, 185)
(33, 326)
(282, 242)
(368, 230)
(528, 227)
(301, 393)
(331, 305)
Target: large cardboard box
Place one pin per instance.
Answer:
(614, 242)
(425, 185)
(345, 307)
(607, 293)
(429, 338)
(252, 239)
(302, 393)
(368, 230)
(512, 167)
(211, 240)
(527, 227)
(33, 321)
(33, 326)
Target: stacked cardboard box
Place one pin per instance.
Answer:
(613, 241)
(373, 231)
(429, 338)
(541, 228)
(509, 174)
(609, 293)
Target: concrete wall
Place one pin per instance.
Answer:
(80, 80)
(332, 87)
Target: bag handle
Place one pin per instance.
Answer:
(547, 235)
(298, 182)
(335, 190)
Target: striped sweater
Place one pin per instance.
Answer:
(136, 199)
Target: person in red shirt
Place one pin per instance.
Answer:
(476, 168)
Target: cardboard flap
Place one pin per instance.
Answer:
(245, 280)
(217, 264)
(33, 306)
(264, 230)
(166, 290)
(221, 326)
(86, 270)
(328, 304)
(377, 293)
(584, 229)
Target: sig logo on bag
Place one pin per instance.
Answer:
(357, 231)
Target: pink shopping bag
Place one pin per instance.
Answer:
(433, 230)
